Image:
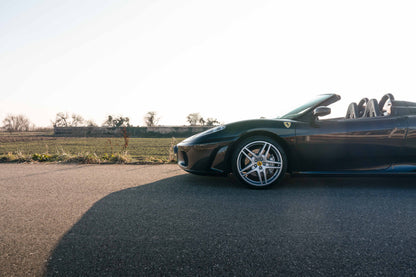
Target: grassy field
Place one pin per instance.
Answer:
(43, 146)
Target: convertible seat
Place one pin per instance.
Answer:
(352, 111)
(399, 108)
(361, 106)
(372, 109)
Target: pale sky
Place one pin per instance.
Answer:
(231, 60)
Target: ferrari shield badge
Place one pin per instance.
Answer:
(287, 124)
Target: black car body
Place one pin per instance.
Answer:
(367, 140)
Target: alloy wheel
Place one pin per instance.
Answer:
(259, 163)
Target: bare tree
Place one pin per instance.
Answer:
(117, 121)
(64, 120)
(61, 120)
(77, 120)
(201, 121)
(193, 119)
(108, 122)
(151, 119)
(16, 123)
(212, 122)
(90, 123)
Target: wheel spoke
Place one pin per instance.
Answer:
(247, 167)
(273, 162)
(268, 150)
(249, 151)
(260, 179)
(263, 148)
(265, 176)
(272, 167)
(248, 173)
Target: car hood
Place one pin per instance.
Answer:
(278, 126)
(259, 123)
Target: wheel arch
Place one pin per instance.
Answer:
(271, 135)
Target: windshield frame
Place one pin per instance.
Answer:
(307, 108)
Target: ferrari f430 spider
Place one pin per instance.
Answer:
(373, 137)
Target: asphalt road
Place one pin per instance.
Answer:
(115, 220)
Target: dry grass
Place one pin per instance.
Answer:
(42, 147)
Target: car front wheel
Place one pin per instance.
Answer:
(259, 162)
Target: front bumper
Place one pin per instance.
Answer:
(207, 159)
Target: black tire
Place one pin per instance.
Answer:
(259, 162)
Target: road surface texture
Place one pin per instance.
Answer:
(129, 220)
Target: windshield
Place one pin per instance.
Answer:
(312, 103)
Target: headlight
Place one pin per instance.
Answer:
(207, 132)
(212, 130)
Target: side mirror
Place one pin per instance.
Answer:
(321, 111)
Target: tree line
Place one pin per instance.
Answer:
(20, 123)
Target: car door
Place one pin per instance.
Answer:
(409, 154)
(349, 144)
(376, 142)
(321, 146)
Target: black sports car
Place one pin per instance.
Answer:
(373, 137)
